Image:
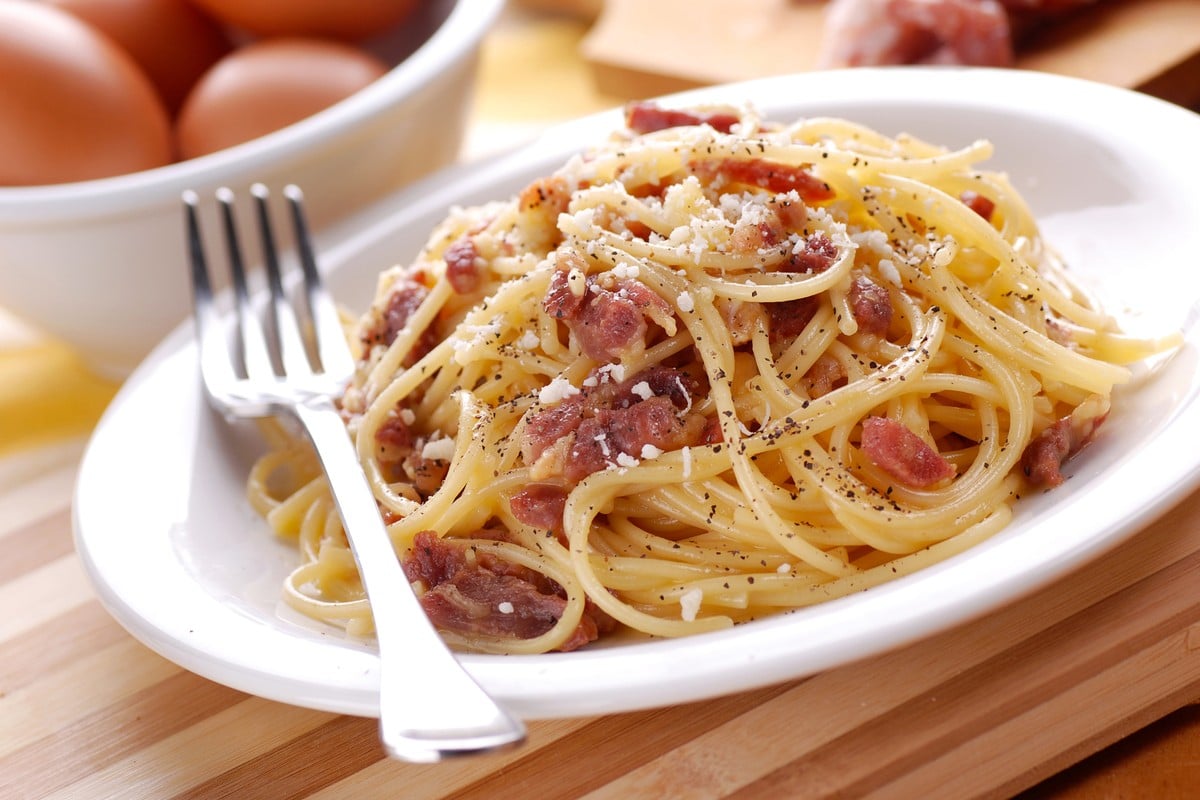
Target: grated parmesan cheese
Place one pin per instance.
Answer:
(650, 451)
(626, 460)
(642, 389)
(505, 607)
(689, 604)
(528, 341)
(888, 270)
(614, 372)
(685, 302)
(556, 391)
(875, 240)
(626, 270)
(441, 449)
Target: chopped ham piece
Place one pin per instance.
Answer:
(547, 426)
(403, 301)
(825, 375)
(592, 431)
(741, 318)
(902, 454)
(790, 317)
(550, 196)
(540, 505)
(540, 203)
(764, 174)
(818, 255)
(609, 326)
(395, 434)
(561, 301)
(981, 205)
(879, 32)
(463, 266)
(871, 305)
(485, 595)
(609, 323)
(645, 117)
(1044, 456)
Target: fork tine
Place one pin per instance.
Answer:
(284, 328)
(334, 355)
(253, 354)
(215, 367)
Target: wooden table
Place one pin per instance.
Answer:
(1098, 663)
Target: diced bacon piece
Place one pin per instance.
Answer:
(590, 451)
(608, 322)
(765, 174)
(653, 422)
(818, 255)
(792, 213)
(712, 433)
(825, 375)
(488, 596)
(395, 434)
(609, 326)
(546, 198)
(464, 268)
(753, 236)
(675, 384)
(790, 317)
(647, 301)
(879, 32)
(1044, 456)
(870, 302)
(545, 427)
(902, 454)
(540, 505)
(589, 432)
(426, 474)
(740, 317)
(403, 301)
(978, 203)
(561, 301)
(647, 117)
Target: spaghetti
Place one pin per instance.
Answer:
(714, 369)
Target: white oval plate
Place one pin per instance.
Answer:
(179, 558)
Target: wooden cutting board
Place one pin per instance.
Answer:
(639, 48)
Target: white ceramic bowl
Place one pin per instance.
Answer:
(101, 264)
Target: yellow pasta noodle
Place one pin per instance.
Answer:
(712, 369)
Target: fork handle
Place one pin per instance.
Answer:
(429, 706)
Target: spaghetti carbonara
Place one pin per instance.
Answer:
(711, 370)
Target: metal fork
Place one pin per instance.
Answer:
(429, 706)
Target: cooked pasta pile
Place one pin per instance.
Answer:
(714, 369)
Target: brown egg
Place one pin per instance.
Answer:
(268, 85)
(346, 19)
(172, 40)
(74, 105)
